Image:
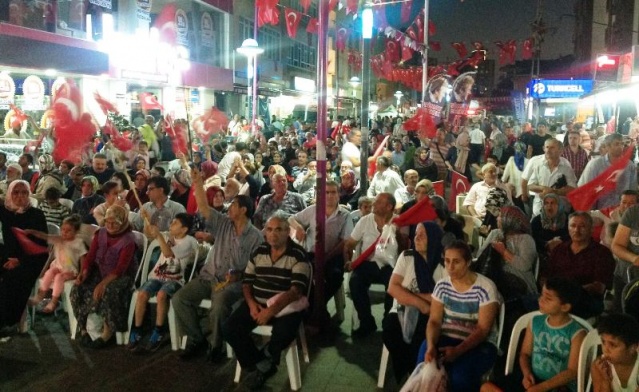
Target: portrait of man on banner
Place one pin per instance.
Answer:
(460, 100)
(438, 87)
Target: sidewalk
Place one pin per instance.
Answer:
(45, 359)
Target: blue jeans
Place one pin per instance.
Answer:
(152, 286)
(465, 373)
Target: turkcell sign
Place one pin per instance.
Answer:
(559, 88)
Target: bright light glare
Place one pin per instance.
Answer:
(367, 22)
(50, 72)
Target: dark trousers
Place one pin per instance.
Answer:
(333, 275)
(361, 279)
(403, 355)
(237, 332)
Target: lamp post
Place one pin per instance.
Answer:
(251, 50)
(354, 82)
(367, 34)
(398, 94)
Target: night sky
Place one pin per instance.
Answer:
(493, 20)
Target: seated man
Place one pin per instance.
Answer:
(585, 261)
(236, 239)
(338, 228)
(374, 269)
(159, 210)
(277, 275)
(479, 193)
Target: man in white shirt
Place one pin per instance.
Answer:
(550, 174)
(225, 165)
(477, 140)
(476, 199)
(350, 150)
(385, 180)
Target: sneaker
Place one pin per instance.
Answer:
(134, 341)
(157, 340)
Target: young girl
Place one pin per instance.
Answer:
(617, 369)
(68, 248)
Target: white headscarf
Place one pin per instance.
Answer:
(8, 202)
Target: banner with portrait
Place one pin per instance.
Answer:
(460, 100)
(436, 98)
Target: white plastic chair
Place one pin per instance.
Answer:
(587, 355)
(143, 272)
(53, 229)
(518, 328)
(67, 203)
(292, 356)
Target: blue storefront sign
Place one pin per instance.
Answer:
(559, 88)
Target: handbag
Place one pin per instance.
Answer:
(408, 318)
(387, 247)
(490, 264)
(427, 377)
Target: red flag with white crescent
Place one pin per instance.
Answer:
(292, 18)
(149, 102)
(478, 45)
(583, 198)
(29, 246)
(407, 53)
(392, 50)
(313, 26)
(458, 184)
(165, 23)
(419, 22)
(341, 38)
(511, 49)
(105, 105)
(351, 6)
(306, 4)
(527, 49)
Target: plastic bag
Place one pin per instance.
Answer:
(387, 247)
(95, 323)
(427, 377)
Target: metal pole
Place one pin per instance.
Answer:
(366, 74)
(425, 55)
(319, 311)
(336, 84)
(255, 108)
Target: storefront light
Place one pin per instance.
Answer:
(51, 72)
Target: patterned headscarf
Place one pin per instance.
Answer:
(496, 199)
(121, 215)
(46, 163)
(8, 201)
(558, 221)
(514, 221)
(94, 182)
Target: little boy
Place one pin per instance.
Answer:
(54, 212)
(616, 370)
(166, 278)
(550, 351)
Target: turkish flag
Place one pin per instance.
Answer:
(105, 105)
(458, 184)
(438, 187)
(165, 23)
(292, 18)
(527, 49)
(29, 246)
(149, 102)
(585, 196)
(351, 7)
(267, 12)
(432, 29)
(392, 50)
(407, 53)
(420, 212)
(435, 45)
(419, 22)
(460, 48)
(503, 52)
(120, 142)
(332, 4)
(18, 114)
(372, 166)
(341, 36)
(211, 122)
(511, 49)
(306, 4)
(313, 26)
(422, 122)
(478, 45)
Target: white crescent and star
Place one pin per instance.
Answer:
(291, 17)
(457, 183)
(614, 176)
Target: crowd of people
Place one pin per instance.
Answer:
(251, 198)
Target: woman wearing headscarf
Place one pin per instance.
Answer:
(105, 282)
(410, 286)
(458, 155)
(501, 149)
(140, 181)
(513, 242)
(550, 228)
(349, 191)
(18, 268)
(425, 167)
(90, 199)
(512, 173)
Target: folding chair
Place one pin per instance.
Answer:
(587, 355)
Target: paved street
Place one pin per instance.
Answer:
(45, 359)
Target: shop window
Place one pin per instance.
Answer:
(302, 56)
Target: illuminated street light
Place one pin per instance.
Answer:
(251, 50)
(398, 94)
(354, 81)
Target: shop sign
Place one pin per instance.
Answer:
(33, 93)
(102, 3)
(7, 90)
(206, 28)
(144, 10)
(559, 88)
(195, 96)
(303, 84)
(182, 27)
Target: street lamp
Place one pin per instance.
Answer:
(251, 50)
(354, 81)
(367, 35)
(398, 94)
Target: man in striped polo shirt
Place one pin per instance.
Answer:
(277, 275)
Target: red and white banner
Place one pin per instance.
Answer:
(292, 19)
(460, 48)
(267, 12)
(458, 184)
(313, 26)
(165, 23)
(149, 102)
(306, 4)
